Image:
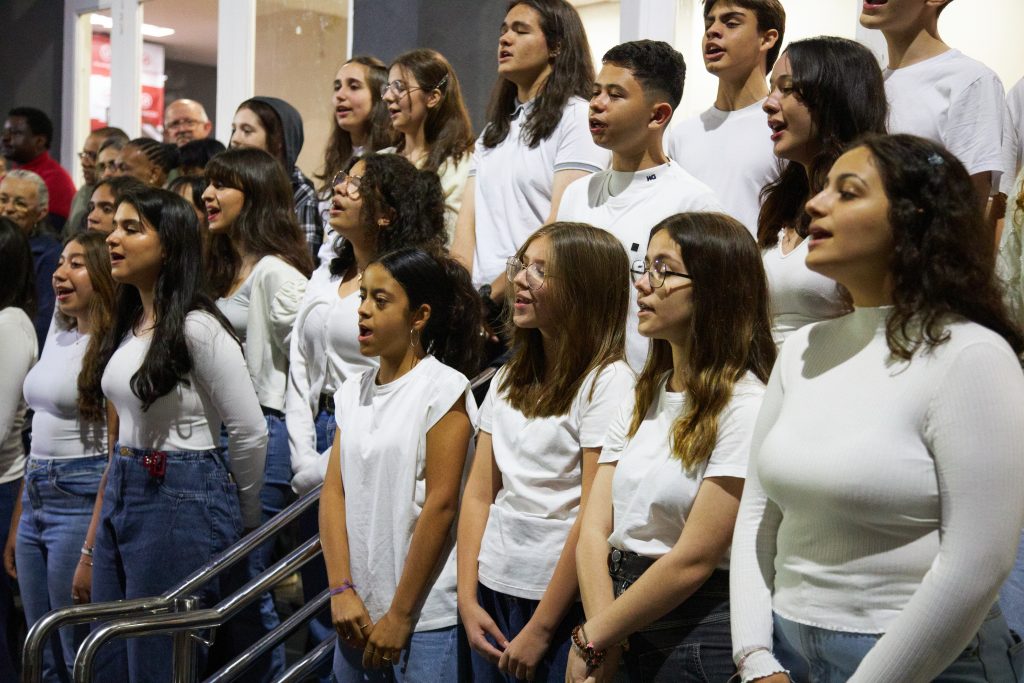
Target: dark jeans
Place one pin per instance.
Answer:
(511, 614)
(691, 643)
(8, 616)
(153, 532)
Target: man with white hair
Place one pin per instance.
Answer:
(25, 199)
(185, 121)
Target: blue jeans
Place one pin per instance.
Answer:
(1011, 597)
(8, 496)
(511, 614)
(819, 655)
(691, 643)
(56, 508)
(314, 572)
(259, 617)
(153, 532)
(431, 657)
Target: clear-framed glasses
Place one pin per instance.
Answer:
(534, 273)
(87, 155)
(657, 272)
(398, 87)
(352, 183)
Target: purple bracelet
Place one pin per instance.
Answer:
(345, 585)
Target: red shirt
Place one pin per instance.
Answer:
(58, 182)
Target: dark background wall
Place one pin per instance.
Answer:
(464, 31)
(193, 81)
(31, 54)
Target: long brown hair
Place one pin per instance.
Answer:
(378, 125)
(730, 330)
(91, 406)
(572, 74)
(588, 271)
(448, 130)
(266, 225)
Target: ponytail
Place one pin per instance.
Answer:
(451, 334)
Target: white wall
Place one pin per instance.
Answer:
(601, 19)
(990, 32)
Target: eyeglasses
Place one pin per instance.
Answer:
(87, 155)
(656, 272)
(182, 123)
(400, 88)
(534, 273)
(352, 183)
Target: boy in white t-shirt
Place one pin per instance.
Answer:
(728, 146)
(940, 93)
(639, 86)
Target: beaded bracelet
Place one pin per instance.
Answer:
(345, 585)
(591, 655)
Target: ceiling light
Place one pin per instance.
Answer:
(148, 30)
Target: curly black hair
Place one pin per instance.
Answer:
(941, 266)
(411, 199)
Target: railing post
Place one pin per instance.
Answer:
(184, 663)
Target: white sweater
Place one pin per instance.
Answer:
(20, 349)
(188, 418)
(883, 496)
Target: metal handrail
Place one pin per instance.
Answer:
(309, 662)
(172, 623)
(38, 635)
(239, 664)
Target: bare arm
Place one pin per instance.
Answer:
(561, 181)
(464, 241)
(348, 613)
(592, 547)
(447, 444)
(678, 574)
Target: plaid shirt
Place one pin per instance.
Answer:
(307, 212)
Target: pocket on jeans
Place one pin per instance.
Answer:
(82, 483)
(188, 480)
(681, 663)
(1016, 653)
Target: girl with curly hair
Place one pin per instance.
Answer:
(882, 508)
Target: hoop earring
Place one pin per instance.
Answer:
(414, 337)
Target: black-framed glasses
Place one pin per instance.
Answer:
(656, 272)
(534, 273)
(87, 155)
(352, 183)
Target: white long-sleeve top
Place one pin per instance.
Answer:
(883, 496)
(51, 390)
(324, 353)
(20, 349)
(188, 418)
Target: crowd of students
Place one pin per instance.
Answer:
(757, 407)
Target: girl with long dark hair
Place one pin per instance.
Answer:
(99, 212)
(390, 499)
(425, 104)
(174, 373)
(380, 203)
(653, 554)
(825, 92)
(542, 428)
(537, 138)
(868, 525)
(69, 449)
(21, 348)
(257, 268)
(359, 125)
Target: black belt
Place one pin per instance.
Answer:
(624, 564)
(326, 403)
(272, 412)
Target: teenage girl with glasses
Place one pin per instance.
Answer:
(542, 428)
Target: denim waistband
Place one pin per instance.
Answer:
(132, 452)
(272, 412)
(326, 403)
(35, 462)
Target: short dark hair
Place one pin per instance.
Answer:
(655, 64)
(770, 15)
(38, 122)
(197, 153)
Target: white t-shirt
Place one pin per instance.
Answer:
(882, 496)
(798, 295)
(514, 182)
(383, 463)
(955, 101)
(541, 480)
(236, 308)
(51, 390)
(732, 152)
(628, 205)
(20, 349)
(652, 494)
(1013, 139)
(189, 418)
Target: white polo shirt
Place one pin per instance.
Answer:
(628, 205)
(953, 100)
(732, 152)
(514, 182)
